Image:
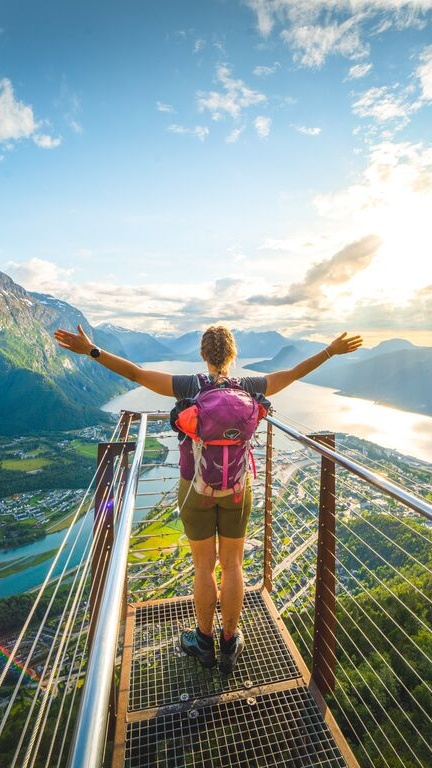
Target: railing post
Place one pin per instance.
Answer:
(127, 417)
(324, 642)
(103, 524)
(91, 727)
(268, 512)
(108, 501)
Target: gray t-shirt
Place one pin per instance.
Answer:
(188, 385)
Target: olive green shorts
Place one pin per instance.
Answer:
(204, 516)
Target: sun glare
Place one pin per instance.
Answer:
(402, 264)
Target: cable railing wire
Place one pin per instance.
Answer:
(89, 735)
(393, 490)
(47, 695)
(304, 631)
(383, 659)
(68, 615)
(376, 651)
(346, 447)
(402, 604)
(399, 680)
(396, 571)
(295, 520)
(46, 581)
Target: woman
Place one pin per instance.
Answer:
(220, 520)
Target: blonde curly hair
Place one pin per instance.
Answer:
(218, 346)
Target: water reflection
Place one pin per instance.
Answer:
(311, 408)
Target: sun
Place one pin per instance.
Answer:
(402, 265)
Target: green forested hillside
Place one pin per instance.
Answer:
(41, 386)
(384, 677)
(383, 694)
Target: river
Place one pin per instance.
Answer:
(307, 407)
(77, 543)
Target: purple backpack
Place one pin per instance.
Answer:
(216, 427)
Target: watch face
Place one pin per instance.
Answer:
(95, 352)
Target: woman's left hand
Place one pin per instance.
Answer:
(344, 344)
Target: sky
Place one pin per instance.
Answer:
(266, 164)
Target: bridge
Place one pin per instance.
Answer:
(337, 617)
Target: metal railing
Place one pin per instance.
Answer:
(344, 553)
(352, 570)
(372, 478)
(90, 734)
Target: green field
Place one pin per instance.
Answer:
(15, 566)
(24, 465)
(89, 450)
(159, 535)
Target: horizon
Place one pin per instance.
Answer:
(264, 165)
(372, 340)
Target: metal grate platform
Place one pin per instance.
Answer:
(284, 728)
(172, 713)
(161, 672)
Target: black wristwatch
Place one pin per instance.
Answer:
(95, 352)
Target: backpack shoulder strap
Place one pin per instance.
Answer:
(202, 380)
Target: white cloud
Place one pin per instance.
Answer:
(385, 104)
(73, 111)
(46, 142)
(74, 124)
(161, 107)
(336, 271)
(234, 135)
(262, 126)
(424, 74)
(233, 99)
(236, 254)
(265, 17)
(393, 199)
(200, 131)
(312, 44)
(17, 120)
(307, 131)
(263, 71)
(84, 254)
(39, 275)
(199, 45)
(358, 71)
(312, 28)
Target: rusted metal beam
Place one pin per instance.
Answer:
(324, 639)
(268, 512)
(103, 524)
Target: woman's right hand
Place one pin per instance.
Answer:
(79, 342)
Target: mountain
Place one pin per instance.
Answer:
(253, 343)
(187, 346)
(135, 345)
(401, 379)
(395, 373)
(249, 344)
(41, 386)
(285, 358)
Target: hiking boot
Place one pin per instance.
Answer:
(194, 643)
(230, 651)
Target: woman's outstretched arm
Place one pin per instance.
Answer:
(81, 344)
(340, 346)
